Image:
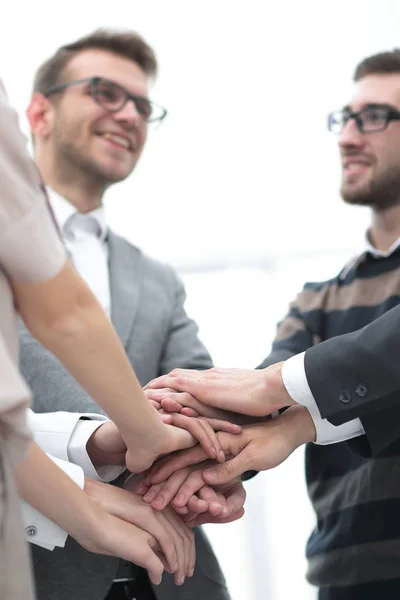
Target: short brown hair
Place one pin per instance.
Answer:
(379, 64)
(123, 43)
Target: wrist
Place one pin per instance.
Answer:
(301, 425)
(277, 396)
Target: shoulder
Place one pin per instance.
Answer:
(151, 268)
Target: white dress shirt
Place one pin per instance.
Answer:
(85, 236)
(63, 435)
(295, 379)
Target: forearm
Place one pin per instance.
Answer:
(64, 316)
(47, 488)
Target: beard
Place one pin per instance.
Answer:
(73, 158)
(379, 193)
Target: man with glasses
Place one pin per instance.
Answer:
(89, 117)
(354, 551)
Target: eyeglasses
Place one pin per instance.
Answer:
(370, 119)
(113, 97)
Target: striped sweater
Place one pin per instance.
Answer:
(355, 546)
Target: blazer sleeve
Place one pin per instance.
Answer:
(358, 375)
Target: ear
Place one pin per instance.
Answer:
(40, 113)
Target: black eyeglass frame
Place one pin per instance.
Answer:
(391, 114)
(94, 81)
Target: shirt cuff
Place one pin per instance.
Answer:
(39, 529)
(77, 452)
(295, 380)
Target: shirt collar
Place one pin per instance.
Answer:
(64, 211)
(367, 248)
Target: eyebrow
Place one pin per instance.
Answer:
(369, 105)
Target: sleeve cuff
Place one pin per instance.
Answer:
(295, 380)
(39, 529)
(77, 452)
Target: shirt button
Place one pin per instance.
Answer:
(362, 390)
(345, 396)
(31, 531)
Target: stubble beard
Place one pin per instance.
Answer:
(379, 193)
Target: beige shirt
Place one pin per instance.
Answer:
(30, 250)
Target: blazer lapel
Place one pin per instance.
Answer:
(125, 263)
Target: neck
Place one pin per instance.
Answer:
(385, 227)
(77, 189)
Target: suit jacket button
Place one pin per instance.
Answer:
(345, 396)
(31, 531)
(362, 390)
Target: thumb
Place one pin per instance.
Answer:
(227, 471)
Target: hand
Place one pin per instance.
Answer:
(184, 432)
(106, 446)
(171, 536)
(251, 392)
(259, 447)
(168, 400)
(232, 493)
(106, 534)
(218, 504)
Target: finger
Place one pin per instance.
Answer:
(166, 418)
(216, 502)
(235, 500)
(195, 506)
(155, 404)
(229, 470)
(204, 518)
(193, 484)
(170, 405)
(185, 400)
(165, 535)
(189, 412)
(151, 562)
(178, 534)
(205, 435)
(186, 547)
(211, 432)
(169, 489)
(221, 425)
(142, 488)
(164, 467)
(152, 493)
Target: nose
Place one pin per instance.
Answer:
(351, 136)
(129, 115)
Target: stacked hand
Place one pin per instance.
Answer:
(201, 483)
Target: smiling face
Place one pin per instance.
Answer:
(83, 136)
(371, 161)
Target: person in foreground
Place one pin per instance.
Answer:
(345, 388)
(61, 312)
(90, 115)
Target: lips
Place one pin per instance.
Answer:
(118, 140)
(355, 164)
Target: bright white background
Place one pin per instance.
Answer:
(238, 190)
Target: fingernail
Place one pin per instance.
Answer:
(140, 488)
(211, 475)
(180, 498)
(222, 455)
(181, 579)
(158, 502)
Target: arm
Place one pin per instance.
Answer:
(214, 388)
(68, 506)
(366, 358)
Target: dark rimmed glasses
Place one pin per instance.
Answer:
(372, 118)
(113, 97)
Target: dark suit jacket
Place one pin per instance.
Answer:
(358, 375)
(148, 313)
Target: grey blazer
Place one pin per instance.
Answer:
(148, 314)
